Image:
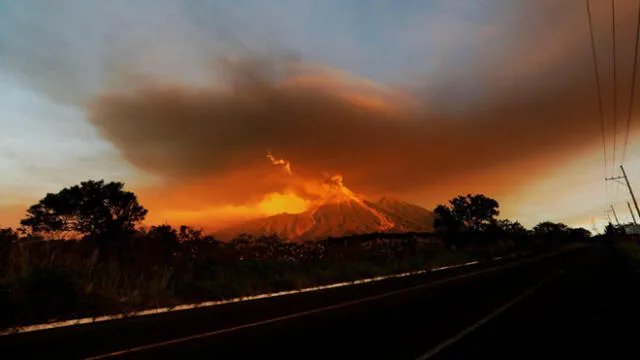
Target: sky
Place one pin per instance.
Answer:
(420, 100)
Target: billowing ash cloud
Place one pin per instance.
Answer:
(469, 96)
(493, 126)
(378, 140)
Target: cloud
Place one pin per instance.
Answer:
(380, 140)
(526, 107)
(486, 96)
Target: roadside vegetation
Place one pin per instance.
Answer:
(631, 248)
(626, 239)
(81, 252)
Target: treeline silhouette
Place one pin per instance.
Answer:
(82, 252)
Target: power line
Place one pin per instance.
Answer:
(615, 197)
(599, 90)
(633, 88)
(615, 86)
(626, 180)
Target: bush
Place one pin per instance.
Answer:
(63, 279)
(45, 294)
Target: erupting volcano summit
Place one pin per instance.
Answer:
(340, 212)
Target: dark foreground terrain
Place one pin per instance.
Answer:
(576, 303)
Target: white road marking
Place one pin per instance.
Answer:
(452, 340)
(314, 311)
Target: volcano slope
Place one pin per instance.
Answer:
(340, 213)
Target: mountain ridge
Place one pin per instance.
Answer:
(340, 213)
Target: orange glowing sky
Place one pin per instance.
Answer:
(421, 102)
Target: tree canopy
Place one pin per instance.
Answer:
(466, 213)
(511, 227)
(546, 228)
(91, 208)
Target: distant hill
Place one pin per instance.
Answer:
(340, 213)
(406, 216)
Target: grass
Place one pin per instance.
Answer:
(55, 289)
(59, 280)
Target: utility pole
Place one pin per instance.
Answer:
(626, 179)
(615, 215)
(633, 197)
(632, 215)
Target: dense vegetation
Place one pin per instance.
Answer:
(108, 263)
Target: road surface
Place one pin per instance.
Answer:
(583, 302)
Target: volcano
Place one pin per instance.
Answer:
(339, 213)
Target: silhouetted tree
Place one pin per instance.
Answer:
(504, 229)
(8, 237)
(99, 210)
(611, 230)
(470, 213)
(166, 239)
(579, 234)
(511, 227)
(548, 228)
(445, 221)
(187, 233)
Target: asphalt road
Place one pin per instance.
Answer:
(592, 310)
(575, 303)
